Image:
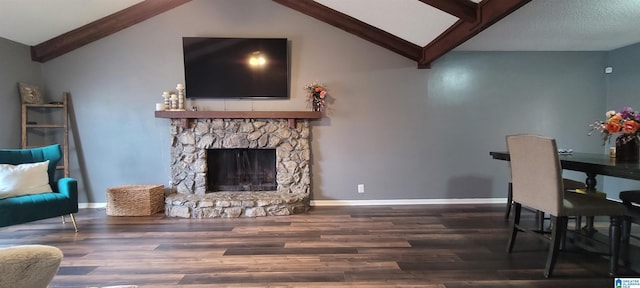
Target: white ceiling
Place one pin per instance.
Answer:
(539, 25)
(563, 25)
(32, 22)
(411, 20)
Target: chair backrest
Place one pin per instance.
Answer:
(33, 155)
(536, 173)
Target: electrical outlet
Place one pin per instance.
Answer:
(360, 188)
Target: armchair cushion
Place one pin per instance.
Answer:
(24, 179)
(29, 265)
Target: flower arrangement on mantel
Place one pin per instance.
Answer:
(626, 123)
(316, 95)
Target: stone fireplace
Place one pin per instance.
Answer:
(191, 171)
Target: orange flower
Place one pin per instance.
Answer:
(318, 89)
(630, 127)
(612, 127)
(613, 124)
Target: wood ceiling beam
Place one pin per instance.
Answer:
(490, 11)
(463, 9)
(100, 28)
(355, 27)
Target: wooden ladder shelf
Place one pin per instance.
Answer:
(40, 125)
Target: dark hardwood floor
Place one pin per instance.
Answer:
(451, 246)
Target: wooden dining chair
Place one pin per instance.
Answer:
(537, 183)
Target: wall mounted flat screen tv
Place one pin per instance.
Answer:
(226, 68)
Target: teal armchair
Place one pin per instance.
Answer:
(62, 201)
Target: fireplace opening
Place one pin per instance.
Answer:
(241, 170)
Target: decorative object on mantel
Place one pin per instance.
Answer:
(180, 89)
(173, 101)
(167, 101)
(316, 96)
(625, 124)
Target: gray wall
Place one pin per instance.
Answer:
(403, 132)
(487, 95)
(623, 88)
(15, 66)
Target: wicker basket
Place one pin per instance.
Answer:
(135, 200)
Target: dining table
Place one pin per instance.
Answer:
(592, 164)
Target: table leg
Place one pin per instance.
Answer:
(591, 181)
(591, 187)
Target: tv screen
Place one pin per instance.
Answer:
(236, 67)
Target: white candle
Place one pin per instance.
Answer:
(160, 107)
(179, 86)
(174, 101)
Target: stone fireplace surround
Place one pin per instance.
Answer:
(192, 137)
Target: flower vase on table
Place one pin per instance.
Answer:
(626, 124)
(627, 149)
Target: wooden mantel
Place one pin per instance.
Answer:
(186, 116)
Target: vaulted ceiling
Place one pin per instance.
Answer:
(421, 30)
(466, 19)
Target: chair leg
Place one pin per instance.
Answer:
(73, 220)
(578, 223)
(509, 201)
(614, 238)
(514, 226)
(559, 226)
(540, 220)
(563, 238)
(625, 237)
(63, 219)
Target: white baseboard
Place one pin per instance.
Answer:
(92, 205)
(408, 202)
(371, 202)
